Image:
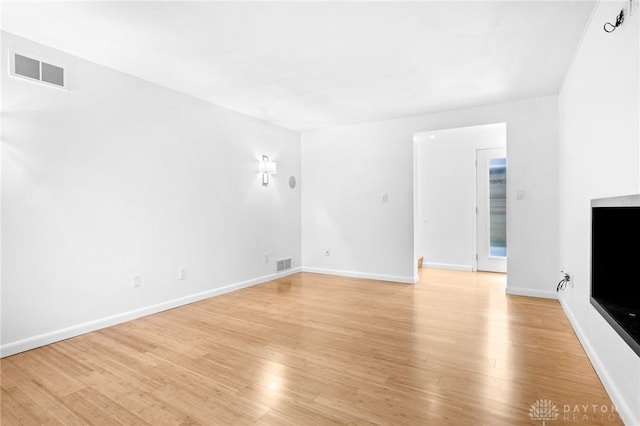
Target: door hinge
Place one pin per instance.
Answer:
(476, 209)
(476, 257)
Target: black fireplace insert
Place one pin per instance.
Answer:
(615, 264)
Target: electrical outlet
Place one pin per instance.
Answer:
(327, 252)
(182, 273)
(137, 281)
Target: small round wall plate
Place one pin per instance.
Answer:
(292, 182)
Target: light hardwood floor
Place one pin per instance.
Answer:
(312, 349)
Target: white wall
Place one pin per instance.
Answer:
(446, 193)
(118, 177)
(345, 170)
(599, 157)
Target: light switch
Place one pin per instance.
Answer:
(384, 198)
(137, 281)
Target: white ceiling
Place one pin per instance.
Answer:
(307, 65)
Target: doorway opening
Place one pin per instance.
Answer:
(460, 209)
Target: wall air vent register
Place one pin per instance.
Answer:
(283, 264)
(29, 68)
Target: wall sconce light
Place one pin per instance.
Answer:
(266, 167)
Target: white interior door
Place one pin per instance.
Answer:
(491, 211)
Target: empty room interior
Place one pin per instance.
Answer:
(309, 213)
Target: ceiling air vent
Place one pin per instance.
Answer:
(30, 68)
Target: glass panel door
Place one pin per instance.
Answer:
(491, 217)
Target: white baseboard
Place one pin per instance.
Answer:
(87, 327)
(448, 266)
(531, 292)
(365, 275)
(626, 414)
